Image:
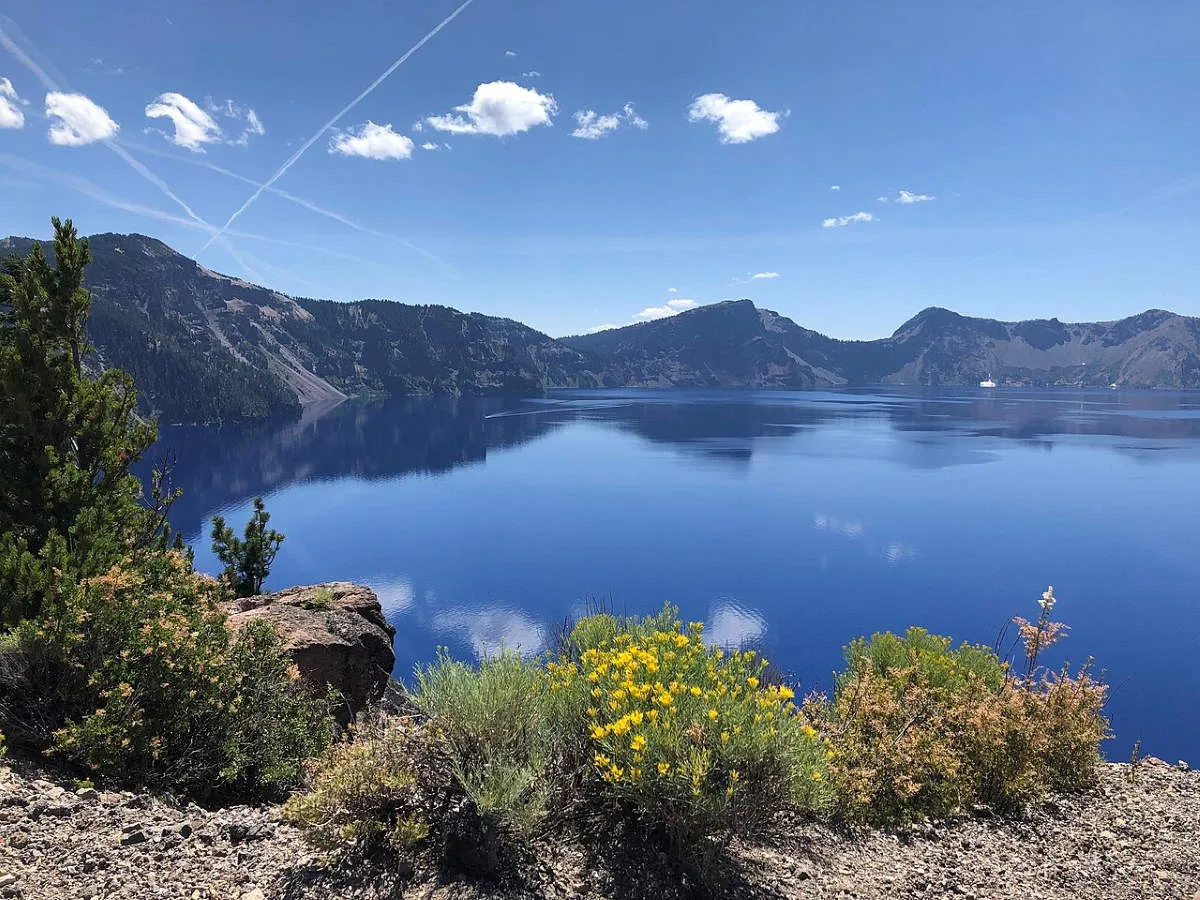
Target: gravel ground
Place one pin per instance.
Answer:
(1129, 838)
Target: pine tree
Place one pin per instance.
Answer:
(247, 560)
(69, 505)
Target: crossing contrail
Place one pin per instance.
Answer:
(290, 197)
(51, 85)
(291, 160)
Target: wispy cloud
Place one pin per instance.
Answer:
(246, 118)
(498, 108)
(759, 275)
(672, 290)
(738, 121)
(77, 120)
(291, 160)
(907, 197)
(510, 52)
(842, 221)
(11, 114)
(430, 145)
(532, 73)
(835, 187)
(371, 141)
(591, 126)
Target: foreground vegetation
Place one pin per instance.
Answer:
(117, 659)
(639, 724)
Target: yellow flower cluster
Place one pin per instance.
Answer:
(663, 706)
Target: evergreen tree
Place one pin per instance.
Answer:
(69, 505)
(247, 560)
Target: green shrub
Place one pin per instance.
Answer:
(920, 729)
(688, 736)
(364, 793)
(490, 723)
(136, 676)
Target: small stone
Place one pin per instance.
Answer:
(58, 810)
(7, 880)
(130, 829)
(88, 794)
(1182, 766)
(255, 894)
(134, 837)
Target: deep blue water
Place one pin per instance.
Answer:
(793, 520)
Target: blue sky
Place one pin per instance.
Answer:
(1047, 151)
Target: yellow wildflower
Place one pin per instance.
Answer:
(638, 743)
(712, 714)
(664, 768)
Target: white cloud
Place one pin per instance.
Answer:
(430, 145)
(417, 126)
(592, 126)
(759, 275)
(672, 290)
(193, 126)
(835, 187)
(510, 52)
(498, 108)
(671, 308)
(11, 115)
(882, 199)
(372, 142)
(910, 197)
(608, 327)
(738, 121)
(532, 73)
(77, 120)
(842, 221)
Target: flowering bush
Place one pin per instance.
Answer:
(135, 675)
(921, 729)
(689, 736)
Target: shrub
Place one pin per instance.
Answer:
(688, 736)
(490, 726)
(247, 559)
(364, 794)
(921, 729)
(136, 676)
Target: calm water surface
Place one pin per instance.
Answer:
(792, 520)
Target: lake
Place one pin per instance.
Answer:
(793, 521)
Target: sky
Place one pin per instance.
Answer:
(577, 164)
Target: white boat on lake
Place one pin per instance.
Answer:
(987, 383)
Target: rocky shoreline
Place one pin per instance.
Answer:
(1134, 836)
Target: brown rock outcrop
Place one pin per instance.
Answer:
(336, 634)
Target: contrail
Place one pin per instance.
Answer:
(291, 160)
(286, 195)
(51, 85)
(89, 189)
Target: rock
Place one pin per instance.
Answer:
(1182, 766)
(134, 837)
(255, 894)
(7, 880)
(335, 633)
(87, 794)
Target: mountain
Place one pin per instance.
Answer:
(203, 346)
(206, 347)
(735, 344)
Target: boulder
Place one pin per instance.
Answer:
(335, 633)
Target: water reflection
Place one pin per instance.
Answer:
(790, 520)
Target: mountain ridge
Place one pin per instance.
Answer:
(203, 346)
